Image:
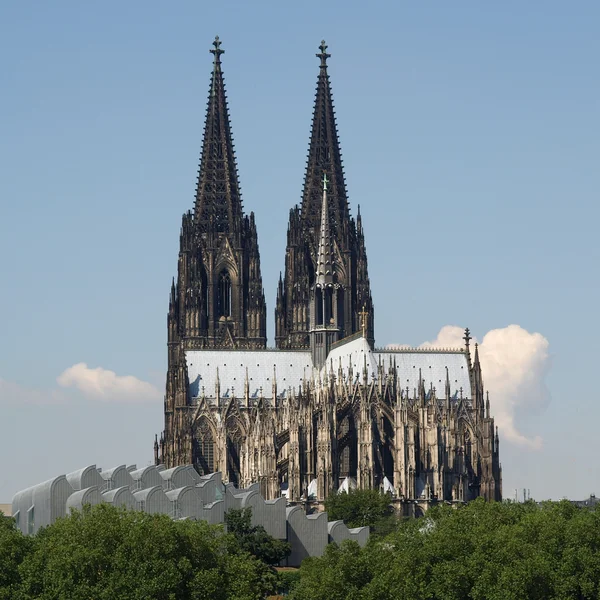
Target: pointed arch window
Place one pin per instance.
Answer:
(318, 306)
(340, 309)
(328, 306)
(468, 449)
(235, 440)
(204, 444)
(224, 297)
(347, 447)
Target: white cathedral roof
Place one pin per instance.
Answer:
(409, 362)
(290, 368)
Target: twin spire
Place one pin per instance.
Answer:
(218, 203)
(321, 228)
(324, 156)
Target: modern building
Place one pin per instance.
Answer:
(325, 409)
(182, 494)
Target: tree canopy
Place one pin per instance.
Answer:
(13, 548)
(254, 539)
(106, 553)
(481, 551)
(360, 508)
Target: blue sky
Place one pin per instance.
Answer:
(470, 140)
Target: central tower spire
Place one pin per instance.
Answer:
(344, 239)
(324, 305)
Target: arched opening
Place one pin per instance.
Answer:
(468, 450)
(234, 451)
(384, 450)
(224, 296)
(347, 448)
(328, 306)
(340, 311)
(204, 448)
(318, 306)
(387, 450)
(204, 292)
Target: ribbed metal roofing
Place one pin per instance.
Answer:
(289, 367)
(431, 364)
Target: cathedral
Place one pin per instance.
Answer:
(325, 410)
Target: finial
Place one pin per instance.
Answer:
(323, 55)
(325, 181)
(467, 337)
(217, 50)
(364, 316)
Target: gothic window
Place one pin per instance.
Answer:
(347, 448)
(328, 306)
(340, 308)
(468, 449)
(224, 298)
(387, 454)
(204, 449)
(204, 284)
(318, 306)
(234, 450)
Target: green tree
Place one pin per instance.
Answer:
(360, 508)
(340, 574)
(254, 538)
(106, 553)
(481, 551)
(14, 547)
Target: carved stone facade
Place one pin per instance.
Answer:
(325, 409)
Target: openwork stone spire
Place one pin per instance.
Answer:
(218, 199)
(324, 156)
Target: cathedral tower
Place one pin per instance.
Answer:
(217, 300)
(292, 312)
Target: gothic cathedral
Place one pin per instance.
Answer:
(325, 410)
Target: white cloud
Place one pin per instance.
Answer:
(14, 394)
(514, 363)
(106, 385)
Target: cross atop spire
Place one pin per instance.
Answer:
(323, 54)
(467, 337)
(217, 50)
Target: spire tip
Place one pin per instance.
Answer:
(323, 54)
(217, 51)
